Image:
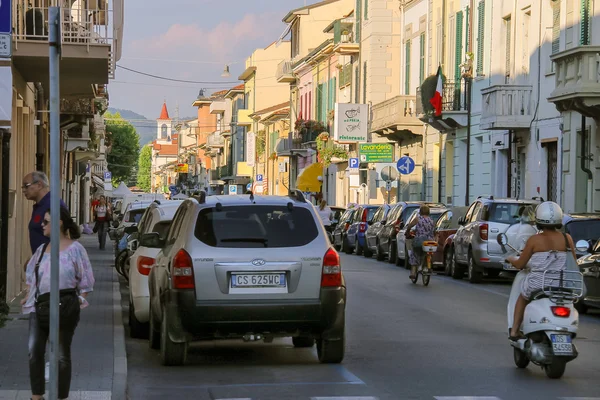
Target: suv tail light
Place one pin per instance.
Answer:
(144, 265)
(182, 271)
(332, 270)
(398, 225)
(560, 311)
(483, 231)
(362, 227)
(346, 226)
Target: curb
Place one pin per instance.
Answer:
(119, 386)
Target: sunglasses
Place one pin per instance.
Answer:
(26, 186)
(45, 222)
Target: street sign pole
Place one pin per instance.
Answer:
(54, 69)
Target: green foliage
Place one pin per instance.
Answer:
(261, 143)
(327, 150)
(123, 141)
(144, 169)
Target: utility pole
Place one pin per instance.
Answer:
(54, 41)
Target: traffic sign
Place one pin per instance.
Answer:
(389, 174)
(388, 185)
(107, 175)
(249, 186)
(232, 189)
(259, 178)
(353, 163)
(405, 165)
(5, 45)
(5, 17)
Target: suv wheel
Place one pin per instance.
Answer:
(331, 351)
(366, 251)
(474, 272)
(153, 333)
(303, 341)
(137, 329)
(171, 353)
(392, 253)
(448, 262)
(380, 255)
(456, 270)
(346, 246)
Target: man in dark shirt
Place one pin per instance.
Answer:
(37, 188)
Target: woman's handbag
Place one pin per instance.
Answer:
(69, 303)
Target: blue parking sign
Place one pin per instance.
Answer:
(259, 178)
(353, 163)
(107, 175)
(5, 17)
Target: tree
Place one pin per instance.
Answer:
(124, 144)
(145, 169)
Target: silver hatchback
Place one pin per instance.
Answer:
(249, 267)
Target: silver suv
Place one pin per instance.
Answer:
(475, 248)
(246, 267)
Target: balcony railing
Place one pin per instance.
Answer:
(284, 145)
(224, 171)
(453, 98)
(506, 107)
(285, 73)
(397, 111)
(215, 140)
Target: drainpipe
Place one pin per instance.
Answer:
(440, 169)
(40, 148)
(590, 199)
(4, 207)
(509, 165)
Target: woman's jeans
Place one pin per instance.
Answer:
(38, 337)
(102, 234)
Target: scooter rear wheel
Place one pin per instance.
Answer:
(557, 369)
(521, 360)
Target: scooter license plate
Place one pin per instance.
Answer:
(561, 344)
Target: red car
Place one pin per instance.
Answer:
(445, 228)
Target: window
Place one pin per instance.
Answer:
(555, 26)
(421, 58)
(507, 46)
(407, 67)
(358, 24)
(161, 227)
(458, 47)
(584, 36)
(163, 131)
(438, 43)
(366, 9)
(480, 36)
(507, 213)
(364, 82)
(357, 86)
(295, 39)
(467, 30)
(256, 227)
(584, 230)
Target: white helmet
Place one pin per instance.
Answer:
(548, 213)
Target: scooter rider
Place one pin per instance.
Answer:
(546, 251)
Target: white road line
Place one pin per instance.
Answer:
(579, 398)
(467, 398)
(74, 395)
(345, 398)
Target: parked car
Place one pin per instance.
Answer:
(358, 226)
(157, 219)
(396, 219)
(582, 226)
(485, 219)
(445, 228)
(404, 245)
(246, 267)
(339, 233)
(374, 228)
(590, 268)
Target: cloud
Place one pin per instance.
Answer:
(219, 44)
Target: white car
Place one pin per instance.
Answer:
(157, 218)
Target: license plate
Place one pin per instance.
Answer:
(561, 344)
(258, 280)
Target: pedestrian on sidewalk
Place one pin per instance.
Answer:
(102, 216)
(76, 281)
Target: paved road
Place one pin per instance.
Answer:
(446, 341)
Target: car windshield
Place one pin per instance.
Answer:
(508, 213)
(135, 215)
(256, 227)
(584, 230)
(371, 212)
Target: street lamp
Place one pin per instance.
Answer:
(467, 75)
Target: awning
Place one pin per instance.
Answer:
(308, 180)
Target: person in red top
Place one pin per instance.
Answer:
(102, 215)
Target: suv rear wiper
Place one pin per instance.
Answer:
(246, 240)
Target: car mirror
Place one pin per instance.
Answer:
(151, 240)
(461, 221)
(131, 229)
(582, 246)
(502, 239)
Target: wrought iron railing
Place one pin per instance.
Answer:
(453, 98)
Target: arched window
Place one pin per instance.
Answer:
(163, 131)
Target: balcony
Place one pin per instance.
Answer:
(224, 171)
(288, 148)
(215, 140)
(284, 73)
(577, 81)
(506, 107)
(90, 40)
(243, 118)
(344, 38)
(454, 108)
(218, 106)
(397, 114)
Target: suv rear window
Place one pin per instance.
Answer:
(584, 230)
(135, 215)
(256, 227)
(508, 213)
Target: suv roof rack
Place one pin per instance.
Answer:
(200, 196)
(297, 195)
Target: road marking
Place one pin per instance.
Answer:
(345, 398)
(348, 376)
(467, 398)
(74, 395)
(579, 398)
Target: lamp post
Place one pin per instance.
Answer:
(467, 75)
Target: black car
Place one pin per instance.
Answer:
(582, 226)
(590, 268)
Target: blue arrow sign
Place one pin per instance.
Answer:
(5, 17)
(249, 186)
(405, 165)
(353, 163)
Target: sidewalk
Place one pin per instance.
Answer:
(98, 350)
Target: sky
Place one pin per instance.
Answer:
(189, 40)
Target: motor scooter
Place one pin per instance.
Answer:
(550, 321)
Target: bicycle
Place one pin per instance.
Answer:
(429, 248)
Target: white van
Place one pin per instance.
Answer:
(121, 206)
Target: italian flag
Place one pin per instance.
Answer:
(436, 100)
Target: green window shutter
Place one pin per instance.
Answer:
(273, 141)
(357, 83)
(459, 47)
(467, 30)
(366, 9)
(364, 82)
(319, 101)
(358, 20)
(333, 87)
(508, 46)
(421, 58)
(480, 36)
(555, 26)
(585, 23)
(407, 67)
(331, 94)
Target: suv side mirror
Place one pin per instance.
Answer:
(131, 229)
(461, 221)
(582, 246)
(152, 240)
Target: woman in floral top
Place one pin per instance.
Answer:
(75, 273)
(424, 227)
